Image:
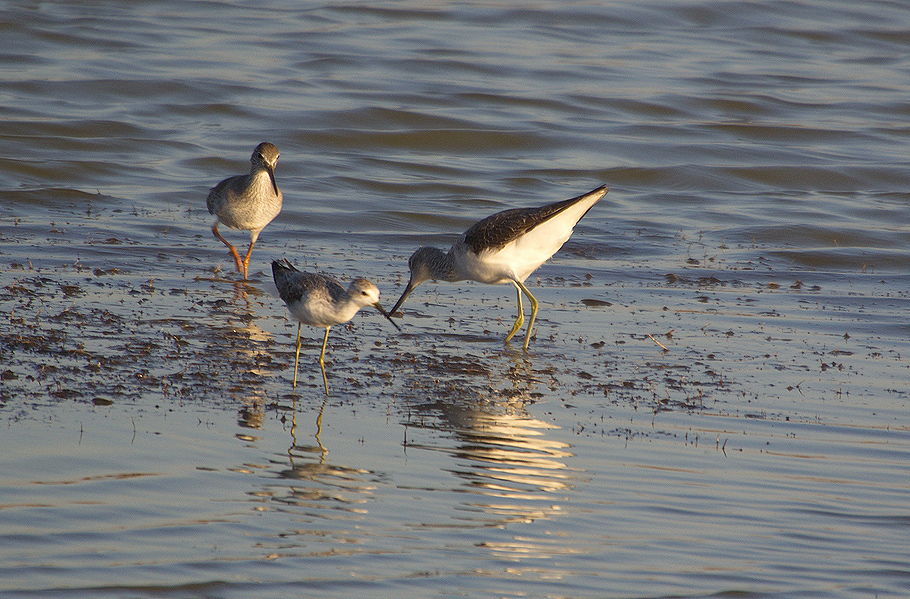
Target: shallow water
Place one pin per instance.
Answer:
(757, 226)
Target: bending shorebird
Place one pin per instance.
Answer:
(247, 202)
(504, 248)
(321, 301)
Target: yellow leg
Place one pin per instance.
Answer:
(297, 357)
(534, 306)
(237, 262)
(521, 314)
(325, 380)
(319, 430)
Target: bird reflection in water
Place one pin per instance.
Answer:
(509, 454)
(244, 344)
(295, 447)
(313, 482)
(513, 471)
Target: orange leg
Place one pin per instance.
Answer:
(254, 235)
(246, 261)
(234, 253)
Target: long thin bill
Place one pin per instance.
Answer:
(407, 291)
(271, 172)
(386, 314)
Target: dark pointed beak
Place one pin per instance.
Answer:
(407, 292)
(271, 172)
(386, 314)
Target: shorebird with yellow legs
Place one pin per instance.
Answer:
(321, 301)
(503, 248)
(247, 202)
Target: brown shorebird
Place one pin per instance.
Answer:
(247, 202)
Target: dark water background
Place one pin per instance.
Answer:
(757, 225)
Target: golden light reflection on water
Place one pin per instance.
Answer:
(515, 473)
(511, 456)
(511, 470)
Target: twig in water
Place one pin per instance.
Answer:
(657, 342)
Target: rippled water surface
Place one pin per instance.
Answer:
(757, 227)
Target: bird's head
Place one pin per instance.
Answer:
(425, 264)
(365, 293)
(265, 156)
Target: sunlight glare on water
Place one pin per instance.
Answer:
(757, 227)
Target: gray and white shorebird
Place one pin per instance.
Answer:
(321, 301)
(247, 202)
(503, 248)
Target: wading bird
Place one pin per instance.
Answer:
(247, 202)
(503, 248)
(321, 301)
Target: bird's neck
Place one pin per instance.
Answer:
(347, 309)
(442, 266)
(261, 182)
